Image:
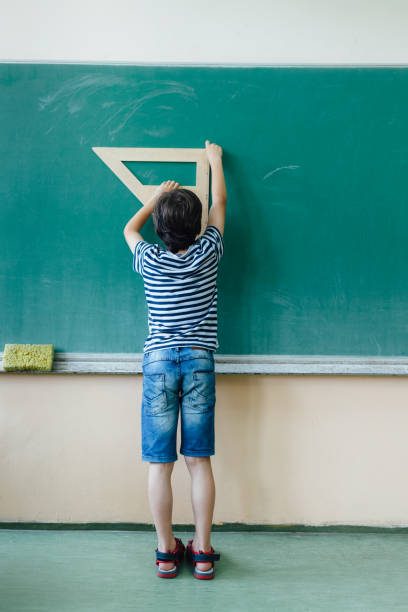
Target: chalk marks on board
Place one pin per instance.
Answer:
(156, 132)
(77, 89)
(122, 98)
(277, 170)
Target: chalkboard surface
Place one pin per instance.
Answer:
(316, 234)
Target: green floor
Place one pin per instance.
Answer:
(100, 571)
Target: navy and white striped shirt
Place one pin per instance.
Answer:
(181, 291)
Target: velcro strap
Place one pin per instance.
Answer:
(166, 556)
(206, 557)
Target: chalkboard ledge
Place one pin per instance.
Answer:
(131, 363)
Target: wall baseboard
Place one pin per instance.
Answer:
(288, 528)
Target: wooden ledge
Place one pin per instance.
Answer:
(131, 363)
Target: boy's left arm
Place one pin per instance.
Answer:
(132, 227)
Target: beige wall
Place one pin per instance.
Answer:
(289, 449)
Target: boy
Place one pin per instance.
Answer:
(178, 360)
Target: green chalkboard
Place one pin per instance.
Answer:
(316, 239)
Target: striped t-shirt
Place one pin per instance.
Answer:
(181, 291)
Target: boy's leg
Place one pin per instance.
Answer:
(198, 440)
(203, 500)
(160, 408)
(161, 504)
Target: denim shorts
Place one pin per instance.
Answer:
(179, 378)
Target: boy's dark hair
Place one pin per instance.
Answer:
(177, 218)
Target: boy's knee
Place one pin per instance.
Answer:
(195, 460)
(162, 465)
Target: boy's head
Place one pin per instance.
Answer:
(177, 218)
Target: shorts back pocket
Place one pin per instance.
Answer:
(154, 394)
(203, 396)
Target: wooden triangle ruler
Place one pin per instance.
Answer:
(114, 157)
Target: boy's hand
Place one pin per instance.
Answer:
(166, 186)
(214, 152)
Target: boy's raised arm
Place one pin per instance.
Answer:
(216, 215)
(132, 227)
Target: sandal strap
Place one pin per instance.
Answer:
(176, 555)
(166, 556)
(206, 556)
(201, 556)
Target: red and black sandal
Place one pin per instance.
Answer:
(176, 555)
(200, 556)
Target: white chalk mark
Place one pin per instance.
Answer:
(158, 88)
(277, 169)
(75, 95)
(159, 133)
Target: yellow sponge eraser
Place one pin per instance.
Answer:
(28, 357)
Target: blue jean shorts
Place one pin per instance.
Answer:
(178, 379)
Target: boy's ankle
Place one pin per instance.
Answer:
(167, 547)
(206, 547)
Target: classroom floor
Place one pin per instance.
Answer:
(100, 571)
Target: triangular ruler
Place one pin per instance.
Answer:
(114, 157)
